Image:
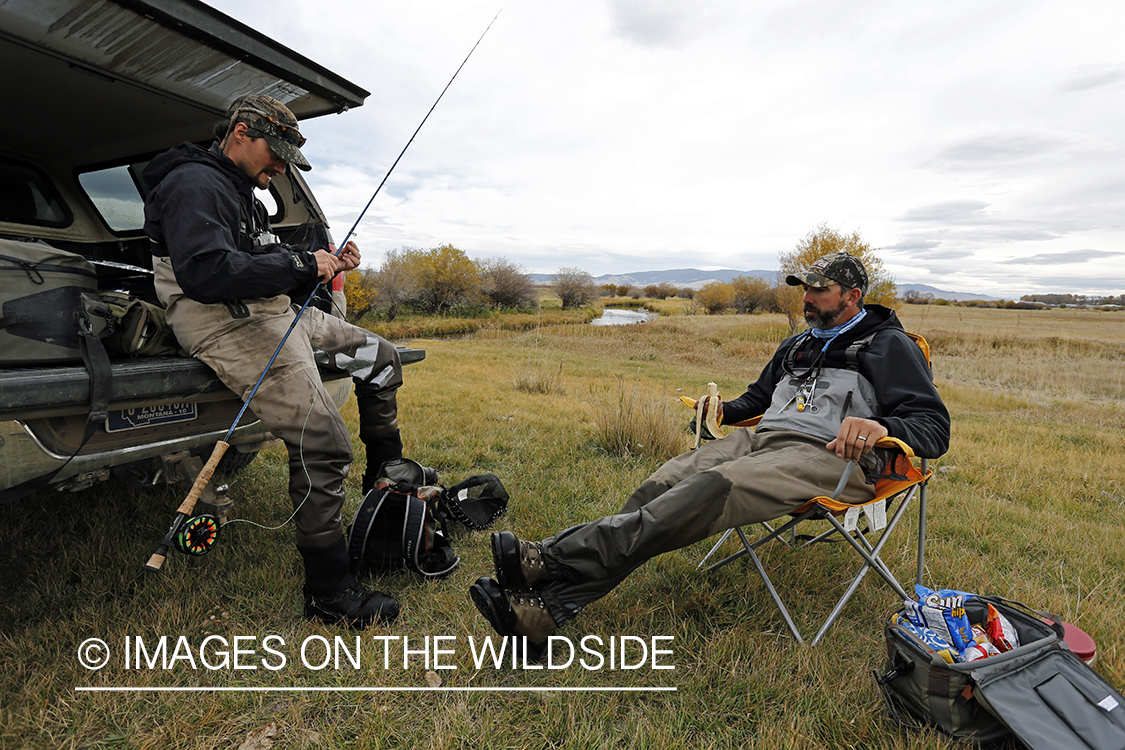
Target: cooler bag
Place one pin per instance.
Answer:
(1039, 691)
(40, 303)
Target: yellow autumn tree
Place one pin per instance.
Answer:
(360, 292)
(447, 279)
(715, 296)
(822, 241)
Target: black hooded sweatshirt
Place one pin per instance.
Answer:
(201, 212)
(908, 403)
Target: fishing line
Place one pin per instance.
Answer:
(308, 478)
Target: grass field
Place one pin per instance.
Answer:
(1028, 503)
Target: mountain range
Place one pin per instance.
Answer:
(696, 278)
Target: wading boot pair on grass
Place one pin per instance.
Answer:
(511, 603)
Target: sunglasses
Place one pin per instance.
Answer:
(287, 133)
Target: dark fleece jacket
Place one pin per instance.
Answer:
(199, 212)
(909, 405)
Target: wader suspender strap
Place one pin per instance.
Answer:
(851, 354)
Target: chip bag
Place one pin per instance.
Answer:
(1000, 631)
(942, 611)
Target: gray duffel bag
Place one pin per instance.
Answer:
(41, 303)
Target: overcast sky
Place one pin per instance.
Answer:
(979, 144)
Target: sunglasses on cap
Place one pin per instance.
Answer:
(287, 133)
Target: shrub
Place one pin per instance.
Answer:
(751, 293)
(506, 284)
(715, 296)
(574, 287)
(447, 278)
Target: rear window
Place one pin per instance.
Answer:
(116, 193)
(28, 197)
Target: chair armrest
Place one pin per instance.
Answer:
(895, 444)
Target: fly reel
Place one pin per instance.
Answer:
(198, 535)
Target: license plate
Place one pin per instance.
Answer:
(149, 416)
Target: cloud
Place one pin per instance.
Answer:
(1064, 258)
(629, 135)
(660, 23)
(956, 212)
(914, 244)
(1002, 149)
(1094, 80)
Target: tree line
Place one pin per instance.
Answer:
(444, 280)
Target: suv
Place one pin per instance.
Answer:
(102, 88)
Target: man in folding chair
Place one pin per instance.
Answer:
(828, 396)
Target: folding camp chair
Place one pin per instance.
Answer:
(900, 482)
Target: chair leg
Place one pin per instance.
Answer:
(922, 524)
(774, 595)
(871, 560)
(723, 538)
(843, 602)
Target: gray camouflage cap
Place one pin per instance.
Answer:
(834, 268)
(266, 117)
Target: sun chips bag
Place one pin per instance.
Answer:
(942, 611)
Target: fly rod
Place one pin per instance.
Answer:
(197, 535)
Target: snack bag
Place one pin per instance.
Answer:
(983, 640)
(933, 641)
(1000, 631)
(942, 611)
(974, 652)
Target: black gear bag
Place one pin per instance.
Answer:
(402, 523)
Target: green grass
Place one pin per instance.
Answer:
(1029, 503)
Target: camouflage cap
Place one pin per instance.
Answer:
(266, 117)
(834, 268)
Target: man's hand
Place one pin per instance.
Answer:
(328, 264)
(349, 257)
(856, 437)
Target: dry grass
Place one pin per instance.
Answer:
(628, 422)
(1029, 503)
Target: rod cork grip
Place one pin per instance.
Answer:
(204, 477)
(154, 563)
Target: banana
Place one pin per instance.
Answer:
(706, 412)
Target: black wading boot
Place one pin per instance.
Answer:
(332, 594)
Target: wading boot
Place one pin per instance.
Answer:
(518, 564)
(332, 594)
(355, 606)
(514, 612)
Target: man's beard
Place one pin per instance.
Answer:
(822, 320)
